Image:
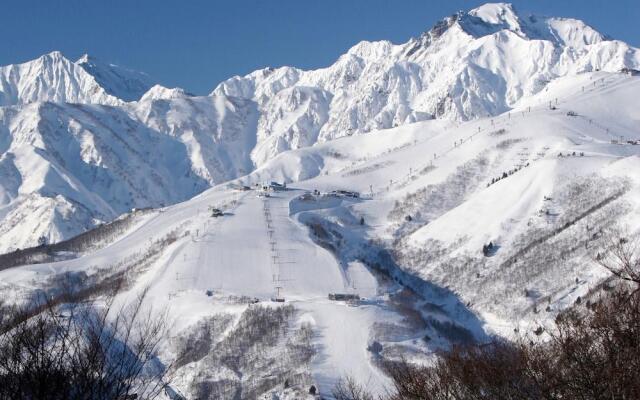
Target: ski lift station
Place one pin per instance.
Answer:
(344, 296)
(278, 298)
(344, 193)
(274, 186)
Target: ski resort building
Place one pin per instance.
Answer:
(274, 186)
(343, 296)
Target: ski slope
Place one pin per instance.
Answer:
(235, 255)
(549, 153)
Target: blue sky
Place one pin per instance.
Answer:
(195, 44)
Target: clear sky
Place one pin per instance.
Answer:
(195, 44)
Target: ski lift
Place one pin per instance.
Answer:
(278, 298)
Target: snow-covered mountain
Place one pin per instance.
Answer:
(469, 65)
(123, 83)
(218, 131)
(66, 167)
(51, 77)
(544, 185)
(159, 92)
(500, 151)
(55, 78)
(57, 113)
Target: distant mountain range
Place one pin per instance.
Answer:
(83, 142)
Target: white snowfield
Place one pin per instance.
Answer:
(535, 151)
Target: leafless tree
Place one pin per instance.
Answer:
(593, 353)
(348, 389)
(621, 256)
(81, 351)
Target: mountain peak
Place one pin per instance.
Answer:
(490, 18)
(85, 58)
(53, 77)
(375, 50)
(497, 14)
(52, 57)
(485, 20)
(55, 54)
(159, 92)
(50, 77)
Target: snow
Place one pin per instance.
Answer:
(52, 77)
(502, 14)
(477, 64)
(70, 166)
(214, 256)
(123, 83)
(504, 162)
(249, 251)
(345, 331)
(486, 61)
(500, 212)
(159, 92)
